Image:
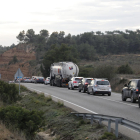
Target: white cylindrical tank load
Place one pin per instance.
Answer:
(65, 69)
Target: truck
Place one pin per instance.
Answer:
(62, 72)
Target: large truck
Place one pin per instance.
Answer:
(62, 72)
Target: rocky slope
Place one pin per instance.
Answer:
(24, 53)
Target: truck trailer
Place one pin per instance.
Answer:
(62, 72)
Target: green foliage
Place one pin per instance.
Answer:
(21, 119)
(104, 71)
(125, 69)
(99, 72)
(63, 53)
(8, 92)
(107, 135)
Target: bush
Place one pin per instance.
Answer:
(22, 119)
(8, 92)
(125, 69)
(104, 72)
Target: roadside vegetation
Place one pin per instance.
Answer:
(34, 113)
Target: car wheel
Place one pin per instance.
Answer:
(72, 87)
(88, 91)
(123, 97)
(109, 94)
(93, 92)
(132, 99)
(83, 90)
(139, 102)
(68, 86)
(79, 90)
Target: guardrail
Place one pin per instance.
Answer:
(110, 119)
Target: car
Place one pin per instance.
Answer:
(47, 81)
(27, 80)
(74, 82)
(99, 86)
(131, 90)
(39, 80)
(11, 82)
(33, 79)
(84, 84)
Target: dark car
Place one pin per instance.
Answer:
(39, 80)
(83, 85)
(131, 90)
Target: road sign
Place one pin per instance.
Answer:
(18, 75)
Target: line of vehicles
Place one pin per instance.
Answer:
(66, 74)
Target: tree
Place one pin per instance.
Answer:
(21, 36)
(56, 54)
(45, 34)
(30, 34)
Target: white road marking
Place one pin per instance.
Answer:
(65, 101)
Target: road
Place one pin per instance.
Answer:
(85, 103)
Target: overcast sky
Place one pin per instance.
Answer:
(70, 16)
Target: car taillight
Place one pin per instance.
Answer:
(74, 81)
(37, 79)
(47, 80)
(137, 90)
(86, 83)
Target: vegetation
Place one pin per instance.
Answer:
(21, 119)
(8, 92)
(125, 69)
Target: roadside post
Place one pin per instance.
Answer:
(0, 76)
(19, 75)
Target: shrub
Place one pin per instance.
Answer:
(8, 92)
(125, 69)
(22, 119)
(103, 72)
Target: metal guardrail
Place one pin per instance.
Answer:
(110, 119)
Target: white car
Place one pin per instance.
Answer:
(74, 82)
(99, 86)
(47, 81)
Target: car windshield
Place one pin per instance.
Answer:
(78, 79)
(102, 83)
(89, 81)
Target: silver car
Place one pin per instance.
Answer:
(99, 86)
(74, 82)
(47, 81)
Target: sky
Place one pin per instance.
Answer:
(73, 16)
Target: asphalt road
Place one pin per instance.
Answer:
(83, 102)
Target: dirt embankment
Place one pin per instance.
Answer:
(24, 53)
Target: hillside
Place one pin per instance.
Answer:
(24, 54)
